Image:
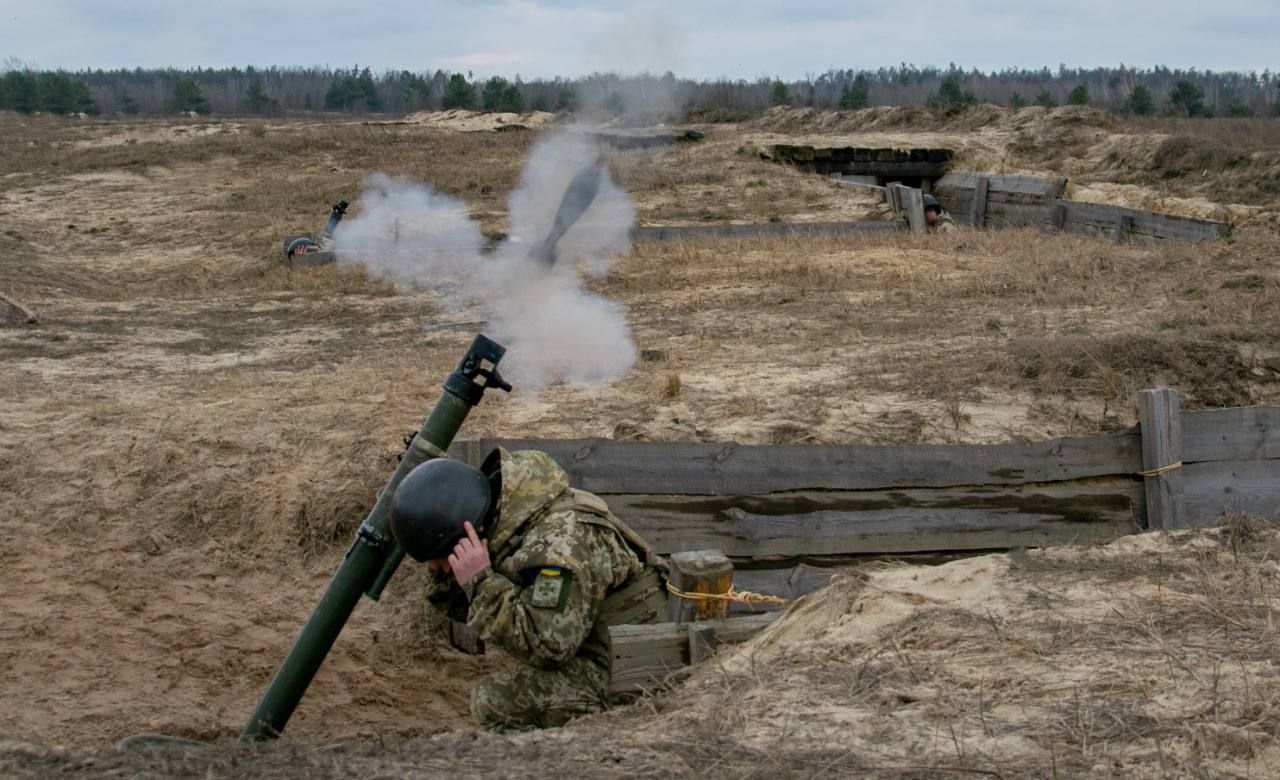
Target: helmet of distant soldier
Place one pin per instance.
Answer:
(931, 203)
(432, 503)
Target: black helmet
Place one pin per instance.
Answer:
(431, 504)
(931, 202)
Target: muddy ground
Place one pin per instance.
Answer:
(191, 432)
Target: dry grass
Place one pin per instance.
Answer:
(205, 427)
(1255, 134)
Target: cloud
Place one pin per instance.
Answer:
(707, 39)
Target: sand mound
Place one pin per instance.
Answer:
(1151, 656)
(480, 121)
(1146, 656)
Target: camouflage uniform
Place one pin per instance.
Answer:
(563, 569)
(943, 224)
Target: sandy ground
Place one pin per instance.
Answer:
(192, 432)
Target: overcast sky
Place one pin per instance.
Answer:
(735, 38)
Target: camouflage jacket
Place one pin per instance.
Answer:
(556, 556)
(943, 224)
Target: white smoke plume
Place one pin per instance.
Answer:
(553, 328)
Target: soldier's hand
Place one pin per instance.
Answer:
(470, 556)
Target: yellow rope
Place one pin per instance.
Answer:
(740, 596)
(1161, 470)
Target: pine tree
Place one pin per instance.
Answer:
(854, 95)
(491, 93)
(255, 98)
(781, 96)
(1187, 99)
(127, 104)
(1141, 102)
(188, 97)
(21, 92)
(1017, 101)
(949, 93)
(511, 100)
(1045, 99)
(567, 99)
(1079, 96)
(458, 93)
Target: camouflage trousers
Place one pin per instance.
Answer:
(526, 698)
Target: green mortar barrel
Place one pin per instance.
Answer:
(374, 555)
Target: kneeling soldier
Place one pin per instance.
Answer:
(538, 568)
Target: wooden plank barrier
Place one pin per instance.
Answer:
(794, 514)
(1029, 201)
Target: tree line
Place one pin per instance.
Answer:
(276, 91)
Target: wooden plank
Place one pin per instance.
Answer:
(1124, 230)
(685, 232)
(1161, 456)
(652, 656)
(1242, 433)
(717, 469)
(1250, 486)
(1044, 188)
(702, 641)
(792, 525)
(1103, 219)
(979, 213)
(1059, 215)
(877, 168)
(790, 583)
(914, 206)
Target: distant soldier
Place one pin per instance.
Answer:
(937, 220)
(538, 568)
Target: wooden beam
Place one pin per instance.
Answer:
(688, 232)
(726, 468)
(914, 206)
(646, 657)
(700, 571)
(1162, 458)
(979, 213)
(902, 520)
(1124, 228)
(1059, 216)
(1242, 433)
(702, 641)
(1250, 486)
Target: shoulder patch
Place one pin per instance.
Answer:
(550, 589)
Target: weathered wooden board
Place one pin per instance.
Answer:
(653, 656)
(814, 523)
(789, 583)
(719, 469)
(1159, 413)
(1042, 190)
(1251, 486)
(863, 161)
(1104, 220)
(674, 232)
(1242, 433)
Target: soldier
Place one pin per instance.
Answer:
(937, 220)
(538, 568)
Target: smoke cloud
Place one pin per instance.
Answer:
(554, 329)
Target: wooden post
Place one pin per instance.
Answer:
(1059, 216)
(914, 206)
(704, 571)
(1125, 229)
(1161, 450)
(980, 202)
(702, 640)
